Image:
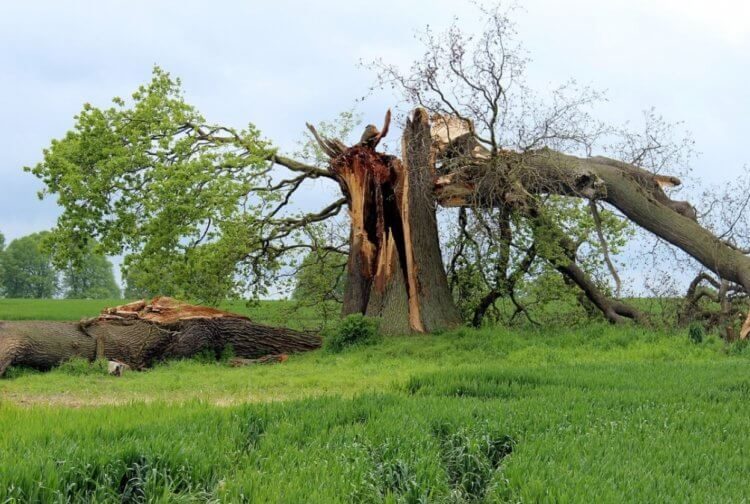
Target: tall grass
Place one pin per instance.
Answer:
(605, 433)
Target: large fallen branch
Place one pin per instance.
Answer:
(139, 334)
(477, 177)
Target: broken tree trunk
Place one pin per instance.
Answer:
(140, 334)
(395, 270)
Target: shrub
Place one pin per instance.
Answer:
(205, 356)
(696, 333)
(14, 372)
(213, 356)
(353, 330)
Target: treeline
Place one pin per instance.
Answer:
(27, 271)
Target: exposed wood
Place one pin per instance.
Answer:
(117, 368)
(395, 269)
(745, 331)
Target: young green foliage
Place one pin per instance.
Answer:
(148, 177)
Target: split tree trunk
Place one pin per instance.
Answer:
(395, 270)
(140, 334)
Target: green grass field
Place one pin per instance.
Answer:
(591, 414)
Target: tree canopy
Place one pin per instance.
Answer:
(194, 206)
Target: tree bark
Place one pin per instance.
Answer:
(141, 334)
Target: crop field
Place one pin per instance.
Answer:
(584, 414)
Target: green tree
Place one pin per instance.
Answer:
(133, 291)
(26, 269)
(2, 248)
(194, 207)
(91, 278)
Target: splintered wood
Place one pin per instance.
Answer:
(395, 268)
(163, 310)
(377, 186)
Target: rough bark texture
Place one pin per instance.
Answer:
(395, 270)
(140, 334)
(434, 298)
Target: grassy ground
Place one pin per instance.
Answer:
(595, 414)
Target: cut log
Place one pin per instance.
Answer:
(141, 333)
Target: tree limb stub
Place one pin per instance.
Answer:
(139, 334)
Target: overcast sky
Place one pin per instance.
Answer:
(278, 64)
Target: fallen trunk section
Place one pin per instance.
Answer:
(140, 334)
(510, 177)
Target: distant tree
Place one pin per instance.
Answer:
(2, 247)
(26, 269)
(91, 278)
(320, 277)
